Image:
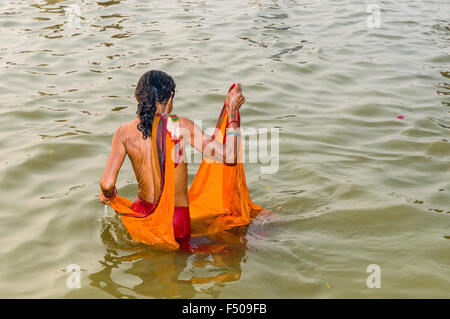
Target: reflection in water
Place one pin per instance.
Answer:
(444, 87)
(167, 274)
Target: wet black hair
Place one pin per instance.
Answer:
(153, 86)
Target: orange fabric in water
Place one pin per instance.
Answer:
(218, 199)
(218, 195)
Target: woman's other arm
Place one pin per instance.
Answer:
(113, 165)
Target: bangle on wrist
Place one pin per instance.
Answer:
(115, 193)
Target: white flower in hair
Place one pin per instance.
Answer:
(173, 127)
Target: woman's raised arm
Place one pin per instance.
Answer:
(113, 165)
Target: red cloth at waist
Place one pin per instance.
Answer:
(181, 217)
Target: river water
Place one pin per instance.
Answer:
(364, 130)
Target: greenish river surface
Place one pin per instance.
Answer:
(364, 156)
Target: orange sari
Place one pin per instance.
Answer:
(218, 197)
